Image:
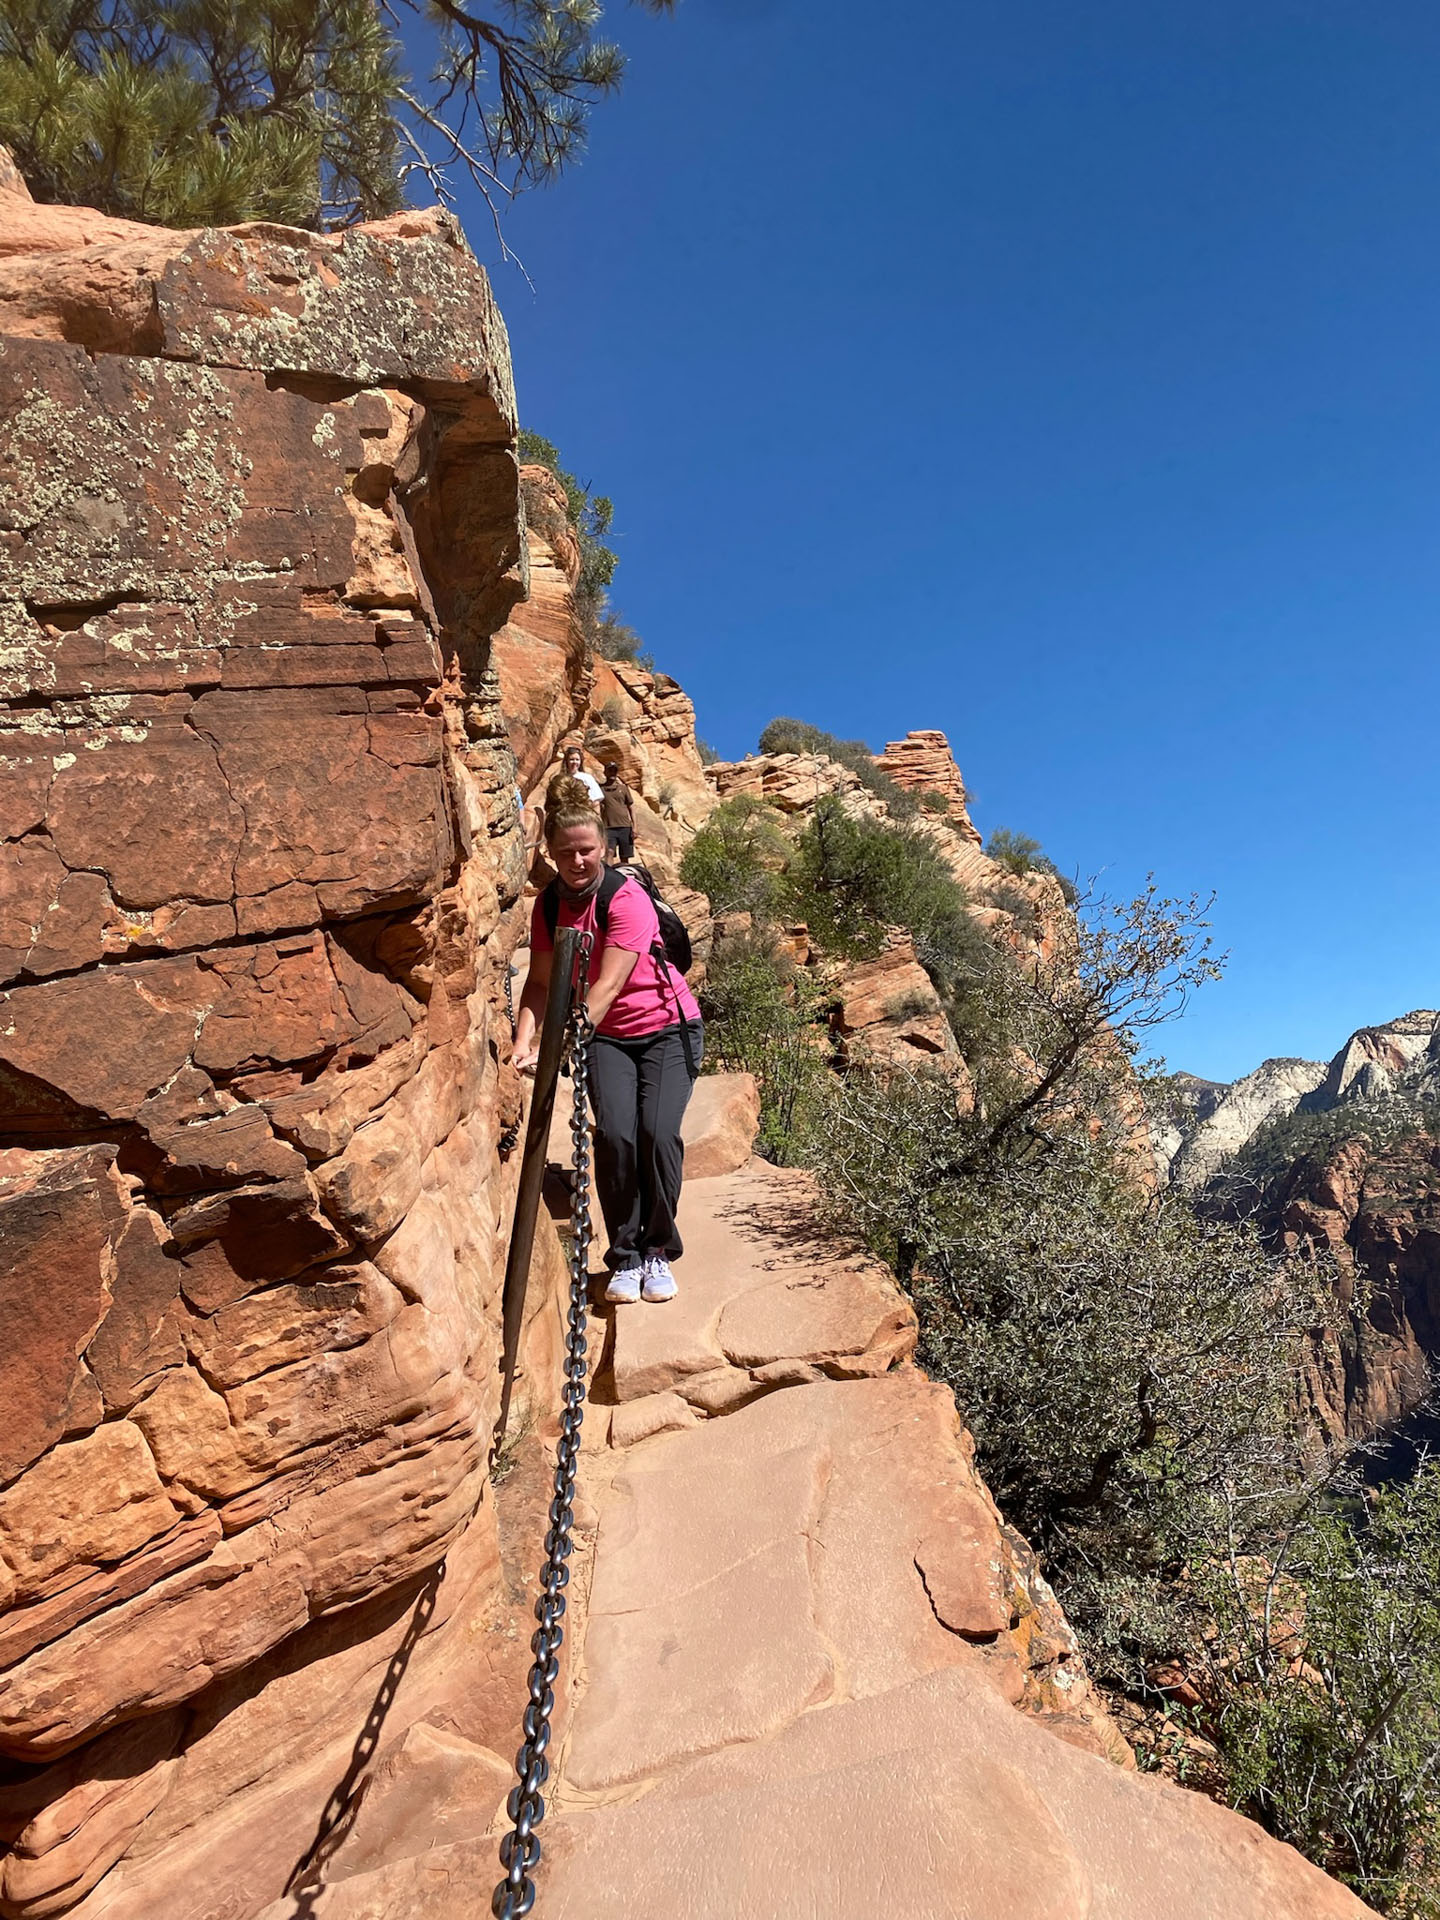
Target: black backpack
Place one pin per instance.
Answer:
(673, 944)
(674, 941)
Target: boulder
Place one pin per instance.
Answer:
(720, 1124)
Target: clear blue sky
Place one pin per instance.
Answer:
(1067, 378)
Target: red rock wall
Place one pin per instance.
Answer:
(260, 522)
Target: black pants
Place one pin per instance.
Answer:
(621, 840)
(640, 1089)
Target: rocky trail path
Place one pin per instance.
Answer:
(808, 1671)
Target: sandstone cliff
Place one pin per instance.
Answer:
(1354, 1174)
(261, 523)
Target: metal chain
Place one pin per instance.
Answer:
(510, 992)
(520, 1848)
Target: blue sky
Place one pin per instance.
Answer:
(1065, 378)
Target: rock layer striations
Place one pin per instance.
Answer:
(260, 523)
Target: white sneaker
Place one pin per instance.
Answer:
(658, 1282)
(624, 1287)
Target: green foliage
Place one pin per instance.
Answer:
(1119, 1362)
(931, 800)
(765, 1016)
(798, 736)
(201, 112)
(589, 516)
(194, 112)
(1021, 855)
(853, 877)
(613, 640)
(1325, 1676)
(737, 857)
(1134, 1376)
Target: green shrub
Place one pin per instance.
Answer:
(1021, 855)
(763, 1015)
(853, 877)
(613, 640)
(798, 736)
(590, 516)
(736, 858)
(1329, 1722)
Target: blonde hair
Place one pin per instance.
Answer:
(568, 804)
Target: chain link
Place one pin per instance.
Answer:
(520, 1848)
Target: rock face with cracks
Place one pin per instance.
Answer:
(260, 523)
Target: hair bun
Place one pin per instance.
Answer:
(568, 804)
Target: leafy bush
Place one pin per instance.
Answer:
(1021, 855)
(1324, 1676)
(763, 1015)
(613, 640)
(853, 877)
(798, 736)
(1118, 1362)
(736, 858)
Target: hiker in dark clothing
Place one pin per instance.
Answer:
(617, 810)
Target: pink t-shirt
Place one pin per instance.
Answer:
(648, 1000)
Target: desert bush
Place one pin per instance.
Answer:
(613, 640)
(707, 753)
(1022, 855)
(736, 858)
(765, 1016)
(1324, 1682)
(852, 877)
(589, 514)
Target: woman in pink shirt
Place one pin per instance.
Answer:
(640, 1078)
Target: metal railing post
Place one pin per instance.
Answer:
(532, 1165)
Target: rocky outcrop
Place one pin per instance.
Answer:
(887, 1010)
(1359, 1185)
(1375, 1207)
(539, 655)
(257, 798)
(1400, 1057)
(1212, 1123)
(923, 763)
(1237, 1114)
